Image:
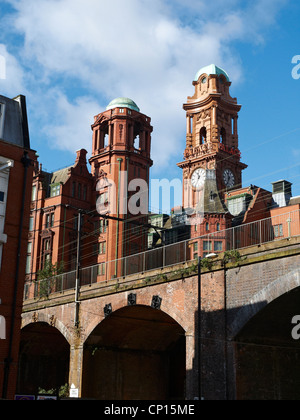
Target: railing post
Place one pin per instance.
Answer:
(260, 233)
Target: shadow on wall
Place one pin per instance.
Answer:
(261, 362)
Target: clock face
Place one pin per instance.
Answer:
(228, 178)
(198, 177)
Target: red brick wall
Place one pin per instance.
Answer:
(9, 258)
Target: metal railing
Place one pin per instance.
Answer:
(256, 233)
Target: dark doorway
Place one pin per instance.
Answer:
(136, 353)
(43, 360)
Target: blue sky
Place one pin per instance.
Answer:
(72, 57)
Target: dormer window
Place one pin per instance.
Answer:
(54, 190)
(204, 80)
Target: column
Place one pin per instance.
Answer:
(76, 366)
(188, 124)
(191, 367)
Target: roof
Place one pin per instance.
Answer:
(294, 200)
(60, 176)
(210, 201)
(13, 121)
(211, 69)
(124, 103)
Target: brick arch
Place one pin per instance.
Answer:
(260, 300)
(27, 319)
(142, 300)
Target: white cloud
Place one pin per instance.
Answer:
(72, 127)
(11, 74)
(139, 49)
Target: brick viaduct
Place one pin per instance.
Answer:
(138, 337)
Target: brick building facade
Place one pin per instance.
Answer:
(16, 167)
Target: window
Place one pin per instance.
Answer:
(31, 222)
(278, 231)
(207, 227)
(28, 258)
(103, 226)
(79, 191)
(102, 248)
(207, 245)
(121, 110)
(195, 250)
(49, 223)
(218, 246)
(46, 255)
(2, 196)
(101, 269)
(54, 190)
(218, 227)
(33, 194)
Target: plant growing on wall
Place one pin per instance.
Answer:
(233, 257)
(47, 278)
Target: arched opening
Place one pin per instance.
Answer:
(203, 135)
(43, 359)
(136, 353)
(267, 356)
(104, 137)
(223, 136)
(137, 136)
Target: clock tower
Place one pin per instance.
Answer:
(212, 160)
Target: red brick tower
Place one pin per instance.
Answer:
(120, 165)
(212, 160)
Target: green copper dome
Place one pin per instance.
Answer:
(123, 103)
(211, 69)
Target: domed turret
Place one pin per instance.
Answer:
(123, 103)
(211, 69)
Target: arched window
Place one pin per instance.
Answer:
(223, 136)
(203, 135)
